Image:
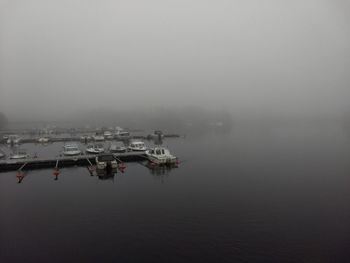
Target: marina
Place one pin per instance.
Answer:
(55, 149)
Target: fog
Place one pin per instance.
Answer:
(58, 58)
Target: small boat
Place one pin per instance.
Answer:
(98, 137)
(19, 154)
(95, 148)
(137, 146)
(13, 139)
(71, 150)
(85, 138)
(108, 135)
(158, 134)
(2, 155)
(160, 155)
(121, 134)
(106, 161)
(43, 140)
(117, 147)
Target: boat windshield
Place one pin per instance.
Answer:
(71, 148)
(138, 144)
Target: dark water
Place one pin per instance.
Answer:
(256, 195)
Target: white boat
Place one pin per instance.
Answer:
(137, 146)
(95, 148)
(160, 155)
(43, 140)
(19, 154)
(98, 137)
(2, 155)
(106, 161)
(85, 138)
(71, 150)
(108, 135)
(117, 147)
(13, 139)
(121, 134)
(158, 134)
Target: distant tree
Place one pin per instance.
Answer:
(3, 120)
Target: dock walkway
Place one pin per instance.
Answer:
(64, 161)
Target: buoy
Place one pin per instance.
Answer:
(121, 167)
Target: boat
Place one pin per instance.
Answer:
(106, 161)
(117, 147)
(160, 155)
(95, 149)
(85, 138)
(43, 140)
(98, 137)
(108, 135)
(137, 146)
(121, 134)
(13, 139)
(19, 154)
(2, 155)
(158, 134)
(71, 150)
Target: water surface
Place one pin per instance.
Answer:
(278, 194)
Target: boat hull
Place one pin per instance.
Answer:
(75, 153)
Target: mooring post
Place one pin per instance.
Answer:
(56, 171)
(91, 167)
(121, 165)
(20, 174)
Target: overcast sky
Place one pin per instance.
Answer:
(245, 55)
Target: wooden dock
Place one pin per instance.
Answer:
(66, 161)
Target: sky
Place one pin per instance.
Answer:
(59, 57)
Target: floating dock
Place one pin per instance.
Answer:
(65, 161)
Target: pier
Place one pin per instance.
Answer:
(65, 161)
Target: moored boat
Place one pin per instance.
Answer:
(71, 150)
(43, 140)
(95, 149)
(137, 146)
(161, 155)
(106, 161)
(117, 147)
(98, 137)
(19, 154)
(13, 139)
(122, 134)
(85, 138)
(108, 135)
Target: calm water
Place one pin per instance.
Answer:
(256, 195)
